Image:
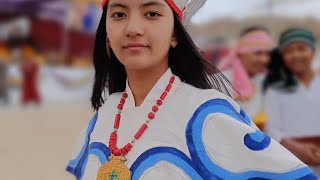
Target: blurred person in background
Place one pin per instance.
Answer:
(4, 96)
(246, 66)
(30, 76)
(293, 96)
(169, 114)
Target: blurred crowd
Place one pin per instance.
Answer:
(278, 86)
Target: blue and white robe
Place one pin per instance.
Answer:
(197, 134)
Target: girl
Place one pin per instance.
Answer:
(166, 116)
(292, 98)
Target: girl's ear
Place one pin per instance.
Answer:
(109, 48)
(174, 40)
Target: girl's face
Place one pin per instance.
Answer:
(297, 57)
(140, 32)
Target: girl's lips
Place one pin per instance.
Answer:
(135, 46)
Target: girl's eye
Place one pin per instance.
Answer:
(118, 15)
(152, 14)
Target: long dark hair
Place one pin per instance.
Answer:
(185, 61)
(279, 76)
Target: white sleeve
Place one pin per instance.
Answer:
(274, 123)
(235, 147)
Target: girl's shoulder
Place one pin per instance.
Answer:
(211, 102)
(112, 99)
(204, 95)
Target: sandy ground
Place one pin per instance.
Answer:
(37, 142)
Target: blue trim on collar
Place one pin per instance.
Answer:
(75, 165)
(100, 150)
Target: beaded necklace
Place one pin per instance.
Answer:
(115, 168)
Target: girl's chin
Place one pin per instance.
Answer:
(136, 65)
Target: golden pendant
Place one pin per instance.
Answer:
(115, 169)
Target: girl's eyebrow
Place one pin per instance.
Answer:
(116, 4)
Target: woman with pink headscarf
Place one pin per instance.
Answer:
(245, 67)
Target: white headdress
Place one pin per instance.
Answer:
(184, 8)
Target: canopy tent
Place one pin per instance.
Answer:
(51, 24)
(81, 15)
(26, 6)
(54, 9)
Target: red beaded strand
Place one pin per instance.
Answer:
(151, 115)
(141, 131)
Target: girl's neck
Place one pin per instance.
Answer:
(306, 78)
(142, 81)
